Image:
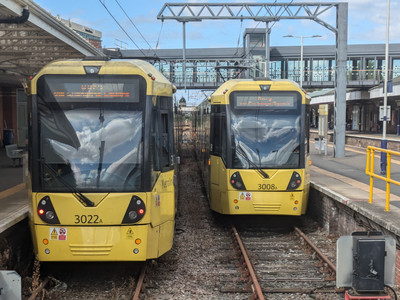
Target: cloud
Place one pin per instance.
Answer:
(366, 23)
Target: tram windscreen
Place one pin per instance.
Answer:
(266, 129)
(90, 132)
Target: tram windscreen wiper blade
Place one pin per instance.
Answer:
(83, 198)
(74, 191)
(243, 154)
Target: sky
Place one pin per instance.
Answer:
(366, 24)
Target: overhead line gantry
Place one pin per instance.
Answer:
(273, 12)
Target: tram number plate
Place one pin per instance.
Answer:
(267, 187)
(87, 219)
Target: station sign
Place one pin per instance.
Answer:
(381, 112)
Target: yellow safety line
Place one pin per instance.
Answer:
(11, 191)
(355, 183)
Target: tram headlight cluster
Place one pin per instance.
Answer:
(135, 212)
(294, 182)
(46, 211)
(237, 182)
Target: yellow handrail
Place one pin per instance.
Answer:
(369, 170)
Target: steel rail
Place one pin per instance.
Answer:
(315, 248)
(139, 285)
(257, 288)
(39, 289)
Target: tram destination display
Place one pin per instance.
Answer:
(263, 100)
(74, 88)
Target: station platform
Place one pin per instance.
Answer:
(13, 193)
(344, 179)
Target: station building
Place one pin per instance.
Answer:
(363, 108)
(91, 35)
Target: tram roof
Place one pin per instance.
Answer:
(160, 84)
(244, 84)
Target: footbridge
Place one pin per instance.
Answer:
(208, 68)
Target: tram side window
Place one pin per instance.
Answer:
(223, 139)
(161, 146)
(154, 145)
(307, 129)
(164, 155)
(218, 133)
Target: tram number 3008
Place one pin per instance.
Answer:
(268, 187)
(87, 219)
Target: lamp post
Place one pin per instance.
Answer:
(384, 140)
(301, 52)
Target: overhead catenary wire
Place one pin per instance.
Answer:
(159, 34)
(120, 26)
(240, 33)
(120, 6)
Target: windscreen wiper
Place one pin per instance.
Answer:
(74, 191)
(243, 154)
(101, 149)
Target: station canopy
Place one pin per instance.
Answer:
(30, 38)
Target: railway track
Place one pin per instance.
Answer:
(106, 281)
(283, 266)
(140, 283)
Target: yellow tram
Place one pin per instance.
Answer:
(252, 138)
(101, 161)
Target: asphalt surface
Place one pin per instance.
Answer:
(353, 166)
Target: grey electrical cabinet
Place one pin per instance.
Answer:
(366, 261)
(369, 263)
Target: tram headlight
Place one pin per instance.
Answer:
(294, 182)
(50, 215)
(132, 215)
(46, 211)
(135, 211)
(92, 70)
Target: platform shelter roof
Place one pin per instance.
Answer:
(30, 37)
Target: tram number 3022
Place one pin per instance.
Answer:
(87, 219)
(267, 187)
